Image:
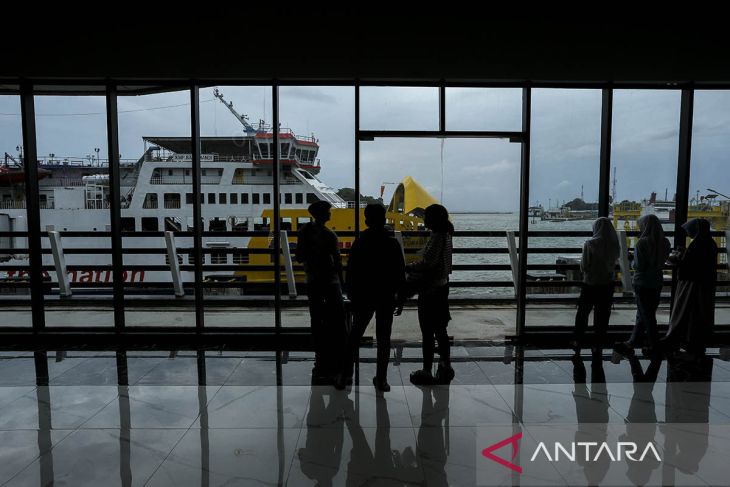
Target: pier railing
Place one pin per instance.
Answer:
(485, 264)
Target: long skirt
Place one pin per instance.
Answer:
(693, 315)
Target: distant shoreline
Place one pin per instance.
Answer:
(483, 212)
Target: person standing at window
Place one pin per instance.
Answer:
(318, 249)
(375, 274)
(652, 251)
(430, 278)
(597, 264)
(693, 313)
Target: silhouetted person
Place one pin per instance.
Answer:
(318, 250)
(429, 277)
(652, 251)
(597, 264)
(375, 274)
(693, 312)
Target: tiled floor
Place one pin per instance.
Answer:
(219, 418)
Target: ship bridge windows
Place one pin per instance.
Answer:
(211, 198)
(189, 198)
(284, 150)
(222, 198)
(233, 197)
(256, 198)
(264, 148)
(267, 198)
(150, 224)
(312, 198)
(244, 198)
(299, 198)
(287, 198)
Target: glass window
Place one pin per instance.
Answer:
(222, 198)
(234, 198)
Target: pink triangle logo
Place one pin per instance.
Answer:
(512, 440)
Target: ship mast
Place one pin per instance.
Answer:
(247, 127)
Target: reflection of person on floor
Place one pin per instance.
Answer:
(693, 312)
(652, 251)
(689, 387)
(641, 419)
(430, 279)
(432, 443)
(375, 274)
(320, 458)
(318, 250)
(598, 264)
(591, 410)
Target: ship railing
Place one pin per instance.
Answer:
(62, 182)
(184, 180)
(263, 180)
(171, 205)
(20, 205)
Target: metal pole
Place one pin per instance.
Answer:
(277, 208)
(683, 165)
(524, 205)
(32, 205)
(115, 216)
(442, 107)
(605, 167)
(197, 220)
(357, 159)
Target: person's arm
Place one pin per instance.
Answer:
(336, 257)
(302, 242)
(353, 271)
(431, 254)
(398, 275)
(584, 260)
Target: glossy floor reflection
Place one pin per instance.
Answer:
(254, 418)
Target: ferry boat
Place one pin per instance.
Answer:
(156, 196)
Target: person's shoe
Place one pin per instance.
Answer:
(381, 385)
(624, 348)
(422, 378)
(445, 374)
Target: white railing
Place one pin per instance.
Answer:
(184, 180)
(20, 205)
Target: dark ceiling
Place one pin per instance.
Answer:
(473, 47)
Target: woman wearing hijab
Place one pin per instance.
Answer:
(432, 284)
(693, 313)
(651, 252)
(598, 263)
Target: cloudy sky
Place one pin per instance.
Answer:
(466, 174)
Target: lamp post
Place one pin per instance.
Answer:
(98, 163)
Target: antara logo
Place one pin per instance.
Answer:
(591, 451)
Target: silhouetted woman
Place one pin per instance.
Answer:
(693, 313)
(433, 271)
(597, 264)
(651, 252)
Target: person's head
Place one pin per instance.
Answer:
(650, 224)
(697, 227)
(436, 217)
(320, 211)
(602, 226)
(375, 215)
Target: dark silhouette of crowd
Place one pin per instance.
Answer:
(378, 282)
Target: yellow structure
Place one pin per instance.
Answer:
(404, 214)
